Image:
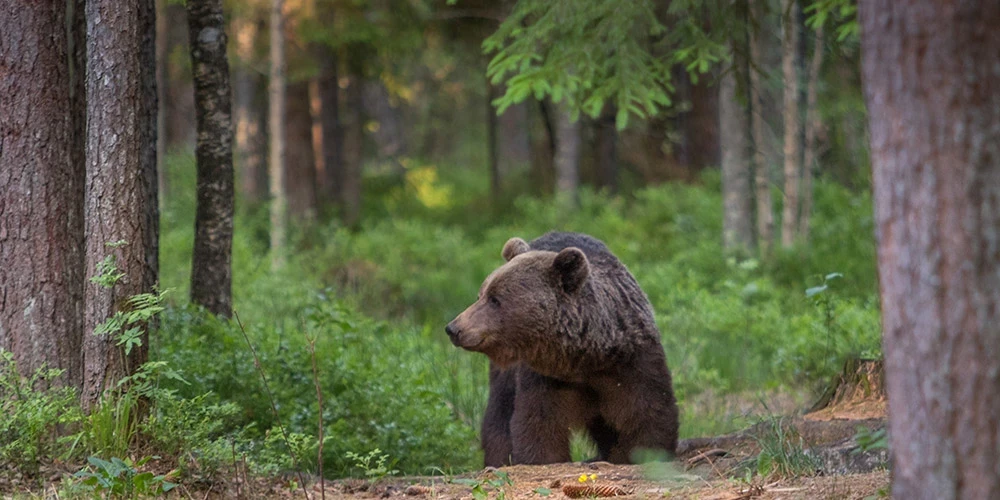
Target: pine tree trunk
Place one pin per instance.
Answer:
(211, 263)
(353, 137)
(41, 275)
(332, 131)
(276, 135)
(813, 127)
(737, 227)
(932, 86)
(249, 98)
(793, 127)
(162, 56)
(607, 152)
(762, 174)
(300, 160)
(491, 142)
(514, 137)
(179, 119)
(121, 181)
(567, 155)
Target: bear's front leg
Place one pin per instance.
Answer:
(539, 427)
(642, 409)
(496, 440)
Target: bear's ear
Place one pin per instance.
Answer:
(572, 268)
(513, 248)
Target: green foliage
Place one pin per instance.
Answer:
(841, 13)
(31, 410)
(586, 53)
(373, 464)
(868, 439)
(119, 478)
(496, 481)
(782, 452)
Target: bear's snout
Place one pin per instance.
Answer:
(453, 332)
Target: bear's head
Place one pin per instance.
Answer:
(519, 303)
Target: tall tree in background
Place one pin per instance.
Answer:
(300, 159)
(932, 86)
(814, 125)
(41, 229)
(350, 189)
(276, 134)
(607, 152)
(793, 128)
(248, 98)
(737, 225)
(567, 154)
(492, 149)
(331, 128)
(121, 181)
(211, 269)
(762, 168)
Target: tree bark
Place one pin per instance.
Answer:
(492, 151)
(276, 131)
(514, 137)
(180, 126)
(813, 127)
(121, 181)
(737, 227)
(350, 191)
(249, 98)
(331, 129)
(300, 161)
(607, 152)
(211, 262)
(567, 154)
(41, 278)
(932, 86)
(762, 168)
(793, 125)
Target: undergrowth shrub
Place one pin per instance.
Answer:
(32, 410)
(376, 299)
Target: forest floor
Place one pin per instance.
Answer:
(706, 468)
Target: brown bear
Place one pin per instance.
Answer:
(572, 344)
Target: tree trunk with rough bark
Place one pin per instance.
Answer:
(41, 194)
(121, 181)
(793, 127)
(276, 135)
(737, 225)
(567, 154)
(813, 127)
(249, 89)
(932, 86)
(762, 168)
(211, 263)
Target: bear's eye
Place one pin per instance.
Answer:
(493, 301)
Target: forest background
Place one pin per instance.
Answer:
(718, 148)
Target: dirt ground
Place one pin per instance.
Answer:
(708, 468)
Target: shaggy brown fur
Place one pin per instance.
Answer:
(572, 344)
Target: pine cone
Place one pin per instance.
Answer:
(585, 491)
